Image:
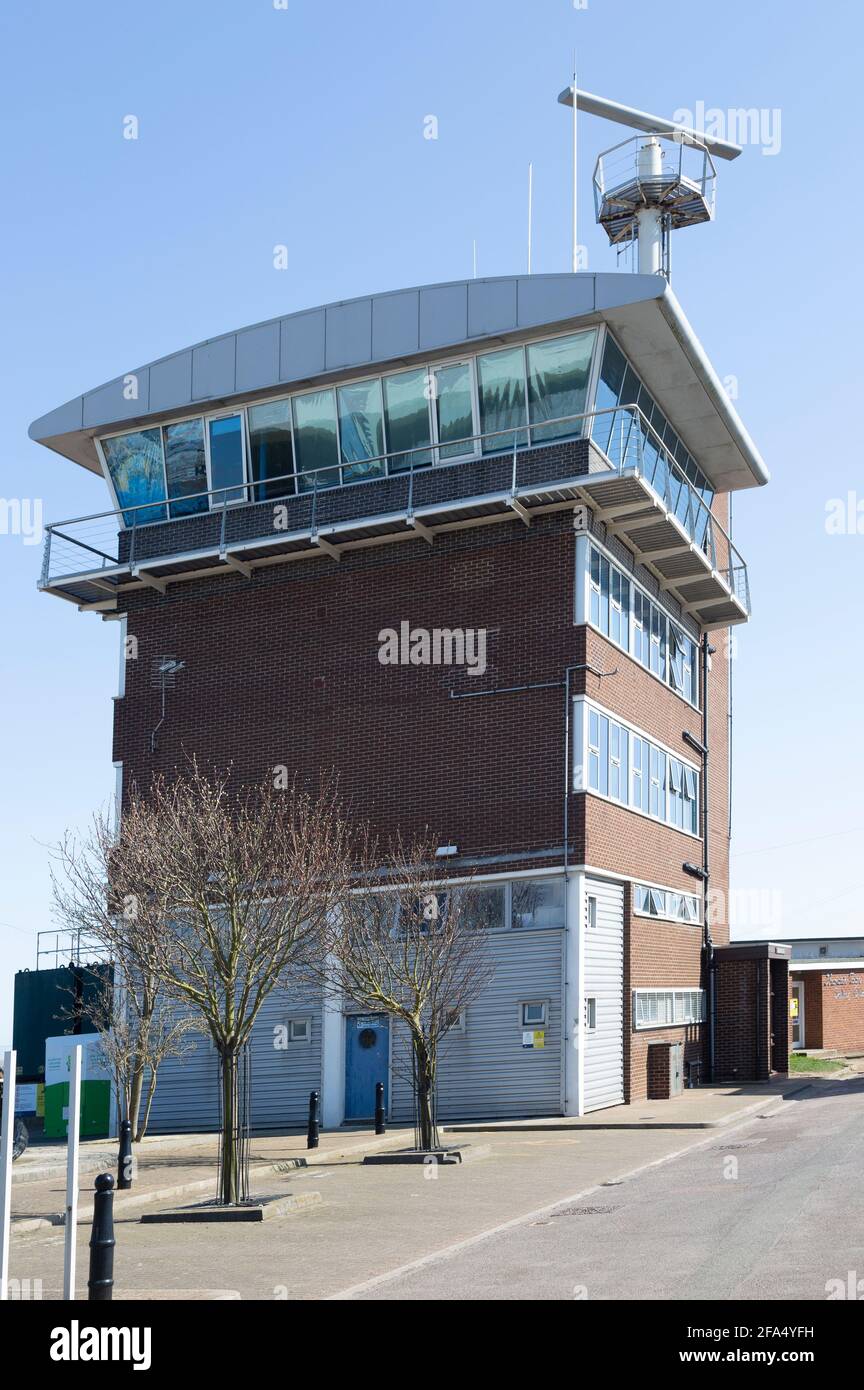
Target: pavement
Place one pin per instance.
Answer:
(404, 1232)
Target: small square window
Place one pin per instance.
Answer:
(299, 1030)
(534, 1014)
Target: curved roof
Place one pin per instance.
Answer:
(403, 326)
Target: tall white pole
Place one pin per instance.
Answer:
(530, 210)
(72, 1144)
(6, 1146)
(475, 258)
(575, 264)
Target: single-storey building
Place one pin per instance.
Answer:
(827, 994)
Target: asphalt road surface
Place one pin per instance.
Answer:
(776, 1211)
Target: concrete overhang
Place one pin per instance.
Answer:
(359, 336)
(754, 950)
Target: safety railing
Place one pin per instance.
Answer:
(622, 435)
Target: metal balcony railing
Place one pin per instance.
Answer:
(103, 548)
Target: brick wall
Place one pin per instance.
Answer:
(283, 670)
(834, 1001)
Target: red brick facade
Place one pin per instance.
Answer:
(833, 1008)
(283, 670)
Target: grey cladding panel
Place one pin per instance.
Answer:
(213, 368)
(110, 402)
(171, 382)
(491, 307)
(485, 1072)
(348, 334)
(301, 351)
(395, 325)
(443, 315)
(549, 297)
(258, 357)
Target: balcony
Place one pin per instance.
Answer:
(610, 460)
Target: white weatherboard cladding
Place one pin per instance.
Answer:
(486, 1072)
(187, 1090)
(603, 1077)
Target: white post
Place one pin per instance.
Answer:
(575, 265)
(8, 1141)
(73, 1127)
(650, 168)
(530, 210)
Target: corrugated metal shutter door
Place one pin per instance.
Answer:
(187, 1091)
(603, 1076)
(485, 1072)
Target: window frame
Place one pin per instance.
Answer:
(643, 998)
(244, 487)
(290, 1023)
(533, 1024)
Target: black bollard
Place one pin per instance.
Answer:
(100, 1285)
(379, 1108)
(312, 1131)
(124, 1157)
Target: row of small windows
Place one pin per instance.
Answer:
(660, 1008)
(620, 610)
(664, 902)
(365, 429)
(629, 768)
(618, 433)
(520, 904)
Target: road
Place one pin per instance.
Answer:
(775, 1210)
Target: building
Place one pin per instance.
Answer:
(283, 495)
(827, 994)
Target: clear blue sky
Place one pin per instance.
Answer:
(304, 126)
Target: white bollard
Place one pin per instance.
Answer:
(73, 1127)
(6, 1147)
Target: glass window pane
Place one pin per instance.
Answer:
(406, 405)
(608, 392)
(501, 385)
(135, 464)
(271, 449)
(454, 410)
(315, 440)
(538, 902)
(361, 429)
(558, 374)
(185, 467)
(226, 459)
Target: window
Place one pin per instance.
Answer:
(406, 409)
(666, 903)
(558, 372)
(455, 1021)
(501, 389)
(622, 612)
(537, 902)
(591, 912)
(271, 450)
(315, 440)
(299, 1030)
(454, 411)
(619, 385)
(361, 429)
(663, 1008)
(482, 905)
(137, 472)
(656, 783)
(185, 467)
(226, 459)
(590, 1014)
(533, 1015)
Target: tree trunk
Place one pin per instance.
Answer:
(148, 1102)
(136, 1086)
(424, 1083)
(229, 1192)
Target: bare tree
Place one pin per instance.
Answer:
(413, 946)
(217, 897)
(139, 1028)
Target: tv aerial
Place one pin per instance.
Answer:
(650, 184)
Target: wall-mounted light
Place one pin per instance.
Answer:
(446, 851)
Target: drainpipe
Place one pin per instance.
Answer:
(708, 944)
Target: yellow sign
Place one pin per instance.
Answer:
(793, 1008)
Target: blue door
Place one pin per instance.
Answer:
(367, 1058)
